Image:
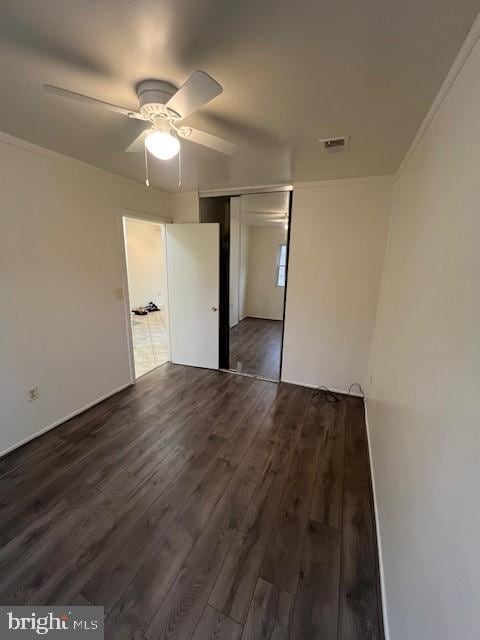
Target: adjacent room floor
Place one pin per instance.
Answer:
(150, 341)
(256, 347)
(199, 504)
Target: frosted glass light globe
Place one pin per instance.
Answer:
(162, 145)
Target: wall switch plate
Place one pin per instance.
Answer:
(118, 293)
(33, 394)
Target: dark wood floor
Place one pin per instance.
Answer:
(256, 347)
(199, 504)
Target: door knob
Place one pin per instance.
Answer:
(214, 308)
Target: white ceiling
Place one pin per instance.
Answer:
(292, 72)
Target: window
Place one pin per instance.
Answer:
(281, 265)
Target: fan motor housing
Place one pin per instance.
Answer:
(153, 95)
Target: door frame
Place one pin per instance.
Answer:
(122, 217)
(289, 230)
(224, 324)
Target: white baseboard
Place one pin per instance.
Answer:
(62, 420)
(249, 315)
(316, 386)
(379, 538)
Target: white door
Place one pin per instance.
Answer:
(193, 252)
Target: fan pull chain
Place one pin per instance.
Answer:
(180, 166)
(147, 181)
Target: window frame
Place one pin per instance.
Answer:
(280, 265)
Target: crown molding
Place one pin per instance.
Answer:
(342, 182)
(462, 56)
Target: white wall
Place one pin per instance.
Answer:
(234, 259)
(184, 207)
(61, 326)
(423, 402)
(264, 298)
(243, 275)
(337, 246)
(146, 263)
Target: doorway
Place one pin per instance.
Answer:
(147, 293)
(253, 279)
(258, 263)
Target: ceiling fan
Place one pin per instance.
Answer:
(163, 106)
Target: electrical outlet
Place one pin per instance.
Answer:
(371, 379)
(33, 394)
(118, 293)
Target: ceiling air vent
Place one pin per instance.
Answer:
(335, 145)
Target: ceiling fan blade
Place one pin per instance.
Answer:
(199, 89)
(208, 140)
(64, 93)
(139, 143)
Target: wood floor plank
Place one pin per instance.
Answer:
(359, 614)
(65, 559)
(114, 532)
(80, 601)
(137, 606)
(281, 566)
(316, 605)
(222, 417)
(184, 604)
(328, 493)
(235, 585)
(246, 431)
(291, 426)
(358, 617)
(231, 419)
(27, 539)
(199, 507)
(215, 626)
(357, 466)
(111, 576)
(269, 614)
(30, 574)
(281, 419)
(278, 418)
(111, 537)
(182, 608)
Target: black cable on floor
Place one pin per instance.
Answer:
(331, 396)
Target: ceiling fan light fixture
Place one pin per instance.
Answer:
(162, 144)
(163, 106)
